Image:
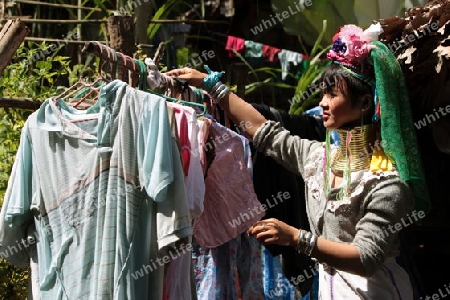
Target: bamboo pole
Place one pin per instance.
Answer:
(62, 21)
(11, 36)
(23, 103)
(60, 5)
(37, 39)
(189, 21)
(105, 21)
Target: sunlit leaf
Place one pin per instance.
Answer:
(307, 22)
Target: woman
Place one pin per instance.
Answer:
(360, 194)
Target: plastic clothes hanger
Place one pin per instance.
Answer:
(83, 89)
(143, 87)
(94, 87)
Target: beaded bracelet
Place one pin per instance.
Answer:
(306, 242)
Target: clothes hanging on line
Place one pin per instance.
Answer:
(188, 131)
(276, 285)
(270, 53)
(110, 192)
(287, 58)
(231, 205)
(234, 44)
(103, 197)
(231, 271)
(254, 51)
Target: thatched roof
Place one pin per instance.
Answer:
(421, 42)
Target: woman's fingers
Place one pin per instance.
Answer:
(256, 228)
(270, 236)
(272, 231)
(192, 76)
(176, 72)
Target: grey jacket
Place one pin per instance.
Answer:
(379, 206)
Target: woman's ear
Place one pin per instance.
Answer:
(366, 103)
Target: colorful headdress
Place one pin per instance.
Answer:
(351, 49)
(355, 49)
(352, 45)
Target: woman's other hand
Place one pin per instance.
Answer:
(273, 231)
(192, 76)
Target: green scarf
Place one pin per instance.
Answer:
(397, 128)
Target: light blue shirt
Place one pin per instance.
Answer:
(105, 189)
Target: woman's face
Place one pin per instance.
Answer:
(337, 109)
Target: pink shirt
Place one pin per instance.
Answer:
(230, 205)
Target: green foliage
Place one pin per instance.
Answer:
(307, 22)
(11, 123)
(182, 56)
(34, 72)
(13, 281)
(161, 13)
(307, 91)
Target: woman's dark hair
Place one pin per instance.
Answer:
(350, 86)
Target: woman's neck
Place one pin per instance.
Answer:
(359, 150)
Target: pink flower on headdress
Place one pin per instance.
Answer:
(357, 51)
(351, 33)
(351, 45)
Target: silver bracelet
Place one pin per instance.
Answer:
(306, 242)
(312, 244)
(216, 92)
(300, 243)
(219, 91)
(223, 93)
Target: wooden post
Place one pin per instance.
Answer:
(121, 34)
(11, 36)
(143, 13)
(121, 31)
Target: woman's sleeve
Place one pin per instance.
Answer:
(289, 150)
(386, 211)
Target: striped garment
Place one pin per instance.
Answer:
(105, 189)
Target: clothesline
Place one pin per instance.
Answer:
(251, 49)
(239, 44)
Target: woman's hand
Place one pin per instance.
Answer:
(192, 76)
(273, 231)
